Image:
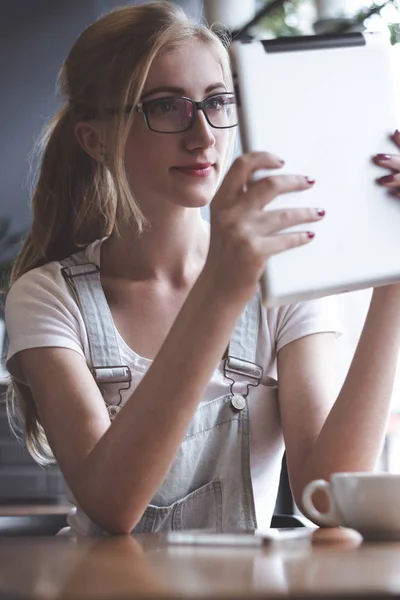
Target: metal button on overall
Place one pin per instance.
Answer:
(238, 402)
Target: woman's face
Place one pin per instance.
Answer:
(178, 169)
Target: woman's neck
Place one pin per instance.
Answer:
(169, 249)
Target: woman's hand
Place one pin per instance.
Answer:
(390, 181)
(392, 162)
(243, 236)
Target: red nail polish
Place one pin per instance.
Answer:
(387, 179)
(320, 212)
(310, 235)
(383, 156)
(310, 180)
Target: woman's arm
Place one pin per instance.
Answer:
(323, 436)
(114, 471)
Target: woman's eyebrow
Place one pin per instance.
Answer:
(181, 91)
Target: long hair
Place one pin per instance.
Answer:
(77, 199)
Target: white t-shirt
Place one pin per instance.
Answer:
(41, 312)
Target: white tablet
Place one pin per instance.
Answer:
(325, 104)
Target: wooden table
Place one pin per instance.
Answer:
(9, 510)
(335, 565)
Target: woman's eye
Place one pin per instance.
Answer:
(221, 103)
(163, 106)
(216, 103)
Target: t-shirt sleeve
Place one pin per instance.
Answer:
(40, 312)
(305, 318)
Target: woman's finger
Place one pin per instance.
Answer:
(241, 172)
(274, 221)
(388, 161)
(391, 181)
(396, 138)
(262, 192)
(285, 241)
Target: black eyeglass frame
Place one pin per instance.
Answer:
(143, 108)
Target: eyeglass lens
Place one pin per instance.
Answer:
(176, 114)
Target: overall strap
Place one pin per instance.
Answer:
(243, 343)
(242, 350)
(83, 278)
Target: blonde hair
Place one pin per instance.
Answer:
(78, 199)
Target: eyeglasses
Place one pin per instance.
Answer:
(175, 115)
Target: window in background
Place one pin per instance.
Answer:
(305, 17)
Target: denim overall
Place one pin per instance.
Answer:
(209, 483)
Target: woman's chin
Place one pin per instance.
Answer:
(195, 200)
(196, 197)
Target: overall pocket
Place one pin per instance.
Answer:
(201, 509)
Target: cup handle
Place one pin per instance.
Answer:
(330, 518)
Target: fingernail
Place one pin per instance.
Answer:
(320, 212)
(310, 235)
(397, 132)
(387, 179)
(281, 162)
(310, 180)
(383, 156)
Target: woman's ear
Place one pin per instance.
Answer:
(88, 135)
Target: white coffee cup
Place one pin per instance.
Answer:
(367, 502)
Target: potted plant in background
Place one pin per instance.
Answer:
(306, 17)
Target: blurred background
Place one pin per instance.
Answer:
(35, 37)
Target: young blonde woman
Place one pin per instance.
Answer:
(141, 358)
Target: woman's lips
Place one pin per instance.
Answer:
(196, 170)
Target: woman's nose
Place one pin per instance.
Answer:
(200, 135)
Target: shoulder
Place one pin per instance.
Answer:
(40, 287)
(293, 321)
(46, 285)
(40, 311)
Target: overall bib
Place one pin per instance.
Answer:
(209, 484)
